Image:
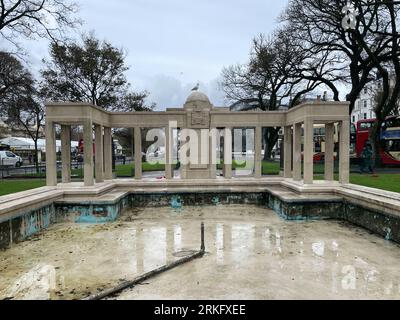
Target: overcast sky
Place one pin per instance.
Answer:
(172, 44)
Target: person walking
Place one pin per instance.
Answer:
(366, 158)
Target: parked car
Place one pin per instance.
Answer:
(9, 159)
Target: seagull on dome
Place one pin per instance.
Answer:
(196, 88)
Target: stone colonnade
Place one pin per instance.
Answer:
(198, 114)
(97, 158)
(294, 156)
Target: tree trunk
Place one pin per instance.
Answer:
(271, 136)
(36, 157)
(375, 138)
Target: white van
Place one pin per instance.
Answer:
(9, 159)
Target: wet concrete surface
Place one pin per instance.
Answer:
(251, 254)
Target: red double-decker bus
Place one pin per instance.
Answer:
(389, 139)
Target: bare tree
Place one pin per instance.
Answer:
(320, 24)
(36, 18)
(28, 113)
(370, 47)
(388, 71)
(19, 102)
(280, 71)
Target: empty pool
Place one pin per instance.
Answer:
(251, 254)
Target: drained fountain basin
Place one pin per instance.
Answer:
(252, 253)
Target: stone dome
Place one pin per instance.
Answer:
(197, 96)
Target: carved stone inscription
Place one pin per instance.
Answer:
(200, 119)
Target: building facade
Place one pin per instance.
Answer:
(365, 104)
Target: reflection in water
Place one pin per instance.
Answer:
(219, 243)
(278, 244)
(335, 248)
(155, 247)
(134, 259)
(177, 238)
(266, 239)
(367, 272)
(319, 248)
(318, 261)
(335, 274)
(242, 241)
(38, 283)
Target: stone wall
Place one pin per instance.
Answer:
(380, 223)
(23, 226)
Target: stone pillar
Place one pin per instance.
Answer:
(329, 151)
(344, 152)
(287, 173)
(66, 153)
(51, 155)
(258, 152)
(108, 175)
(297, 152)
(99, 157)
(138, 153)
(183, 156)
(228, 153)
(169, 172)
(88, 153)
(308, 151)
(212, 151)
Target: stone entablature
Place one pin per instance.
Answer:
(75, 114)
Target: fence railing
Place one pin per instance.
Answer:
(33, 172)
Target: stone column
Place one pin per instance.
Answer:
(66, 153)
(287, 173)
(51, 155)
(297, 152)
(344, 152)
(258, 152)
(184, 157)
(212, 152)
(88, 153)
(138, 153)
(169, 173)
(228, 153)
(99, 165)
(108, 175)
(308, 151)
(329, 151)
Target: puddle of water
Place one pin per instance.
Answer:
(251, 254)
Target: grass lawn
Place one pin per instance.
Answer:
(123, 170)
(384, 181)
(389, 182)
(268, 167)
(271, 168)
(128, 170)
(14, 186)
